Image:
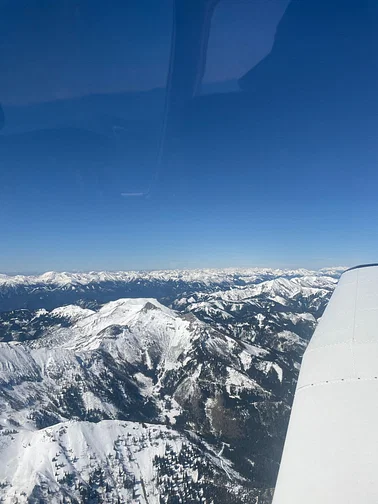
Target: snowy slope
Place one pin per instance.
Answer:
(109, 461)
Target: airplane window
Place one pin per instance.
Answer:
(182, 184)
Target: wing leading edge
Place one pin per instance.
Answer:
(331, 448)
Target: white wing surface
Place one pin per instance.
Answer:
(331, 448)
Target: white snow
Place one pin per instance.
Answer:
(202, 276)
(72, 312)
(266, 366)
(79, 448)
(245, 359)
(238, 382)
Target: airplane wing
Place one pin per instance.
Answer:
(331, 448)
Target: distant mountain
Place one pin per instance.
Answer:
(133, 401)
(52, 289)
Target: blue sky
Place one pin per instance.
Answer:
(283, 173)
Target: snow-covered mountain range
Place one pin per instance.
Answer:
(52, 289)
(136, 400)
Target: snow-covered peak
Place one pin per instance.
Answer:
(139, 331)
(128, 307)
(123, 312)
(71, 312)
(279, 288)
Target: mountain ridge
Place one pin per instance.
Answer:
(52, 289)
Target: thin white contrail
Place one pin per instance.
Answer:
(133, 194)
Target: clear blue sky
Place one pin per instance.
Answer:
(283, 173)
